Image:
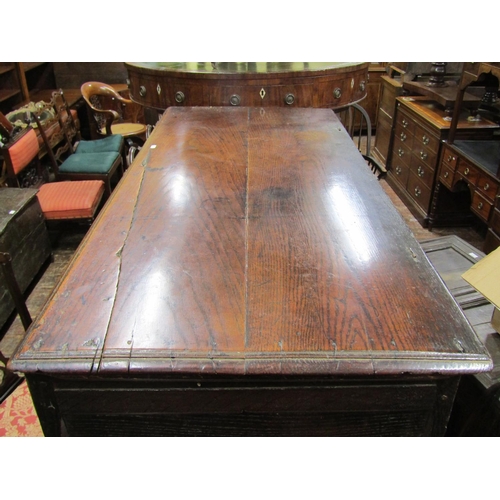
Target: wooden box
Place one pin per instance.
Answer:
(23, 234)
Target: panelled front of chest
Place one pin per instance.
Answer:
(414, 159)
(23, 235)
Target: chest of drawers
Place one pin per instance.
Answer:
(420, 127)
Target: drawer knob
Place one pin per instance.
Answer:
(446, 175)
(418, 191)
(337, 93)
(142, 90)
(179, 97)
(405, 123)
(480, 205)
(450, 158)
(420, 171)
(400, 152)
(486, 187)
(423, 155)
(289, 99)
(403, 137)
(398, 170)
(235, 100)
(425, 139)
(466, 171)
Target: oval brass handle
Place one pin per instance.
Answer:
(289, 99)
(142, 90)
(362, 86)
(423, 155)
(446, 175)
(179, 97)
(450, 158)
(480, 205)
(403, 137)
(235, 100)
(466, 171)
(400, 152)
(337, 93)
(486, 187)
(418, 191)
(425, 140)
(420, 171)
(405, 123)
(398, 170)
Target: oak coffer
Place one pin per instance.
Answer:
(248, 277)
(24, 236)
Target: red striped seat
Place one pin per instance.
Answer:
(70, 200)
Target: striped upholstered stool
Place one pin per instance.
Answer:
(71, 200)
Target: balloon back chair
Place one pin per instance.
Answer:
(112, 114)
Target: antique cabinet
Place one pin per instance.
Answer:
(390, 88)
(420, 127)
(299, 84)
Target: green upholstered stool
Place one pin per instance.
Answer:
(113, 143)
(91, 166)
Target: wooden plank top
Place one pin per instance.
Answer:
(250, 241)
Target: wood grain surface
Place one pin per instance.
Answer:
(250, 241)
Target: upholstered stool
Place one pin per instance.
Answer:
(70, 200)
(110, 144)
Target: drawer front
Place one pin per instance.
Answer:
(401, 172)
(423, 139)
(449, 159)
(446, 176)
(487, 186)
(424, 155)
(467, 171)
(402, 135)
(481, 206)
(419, 192)
(406, 122)
(402, 152)
(423, 172)
(336, 93)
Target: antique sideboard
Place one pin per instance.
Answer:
(248, 276)
(300, 84)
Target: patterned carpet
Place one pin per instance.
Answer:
(17, 415)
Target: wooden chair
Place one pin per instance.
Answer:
(10, 380)
(106, 112)
(71, 131)
(65, 200)
(83, 160)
